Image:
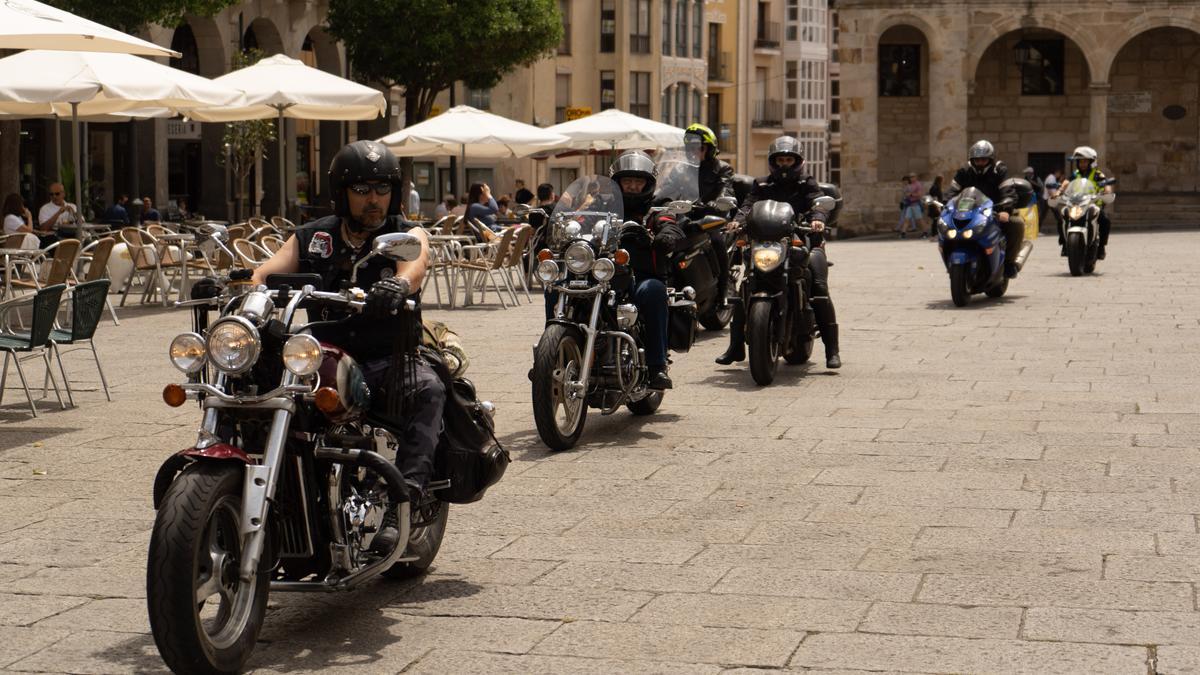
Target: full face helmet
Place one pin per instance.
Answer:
(981, 150)
(635, 164)
(1084, 152)
(785, 145)
(362, 162)
(698, 136)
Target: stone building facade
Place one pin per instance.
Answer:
(922, 79)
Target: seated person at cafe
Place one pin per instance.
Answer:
(149, 213)
(444, 207)
(58, 215)
(116, 214)
(482, 206)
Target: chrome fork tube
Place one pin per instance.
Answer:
(590, 346)
(261, 480)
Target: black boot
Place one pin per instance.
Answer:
(1100, 253)
(737, 337)
(827, 323)
(659, 380)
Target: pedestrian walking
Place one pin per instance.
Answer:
(910, 206)
(1051, 185)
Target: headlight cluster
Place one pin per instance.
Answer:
(1075, 213)
(579, 258)
(233, 345)
(767, 256)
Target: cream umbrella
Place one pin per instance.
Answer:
(618, 130)
(45, 82)
(28, 24)
(279, 86)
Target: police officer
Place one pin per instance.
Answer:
(982, 171)
(716, 181)
(364, 179)
(1084, 166)
(649, 256)
(788, 183)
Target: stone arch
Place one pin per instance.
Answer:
(982, 39)
(1135, 29)
(210, 47)
(903, 103)
(263, 34)
(324, 48)
(318, 142)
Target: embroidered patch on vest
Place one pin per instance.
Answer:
(321, 244)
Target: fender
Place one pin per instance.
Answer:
(177, 462)
(962, 257)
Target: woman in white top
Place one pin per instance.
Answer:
(16, 217)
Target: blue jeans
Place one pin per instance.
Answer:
(650, 296)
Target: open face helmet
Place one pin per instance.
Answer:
(363, 162)
(1084, 152)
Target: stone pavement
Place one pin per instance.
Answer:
(1008, 487)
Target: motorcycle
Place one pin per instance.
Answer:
(696, 264)
(971, 242)
(1079, 204)
(591, 351)
(776, 291)
(291, 479)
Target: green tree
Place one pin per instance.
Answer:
(425, 46)
(245, 142)
(131, 15)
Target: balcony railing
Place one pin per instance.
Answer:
(768, 113)
(639, 44)
(720, 66)
(768, 36)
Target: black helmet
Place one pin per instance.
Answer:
(981, 150)
(785, 145)
(362, 161)
(635, 164)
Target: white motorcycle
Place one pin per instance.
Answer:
(1078, 207)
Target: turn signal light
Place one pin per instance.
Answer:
(174, 395)
(740, 243)
(327, 400)
(621, 257)
(544, 254)
(989, 250)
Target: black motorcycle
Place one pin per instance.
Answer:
(291, 478)
(776, 291)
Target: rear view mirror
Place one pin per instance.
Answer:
(398, 246)
(824, 204)
(726, 203)
(679, 207)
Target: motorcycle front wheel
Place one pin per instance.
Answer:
(557, 361)
(1076, 252)
(958, 285)
(203, 617)
(764, 348)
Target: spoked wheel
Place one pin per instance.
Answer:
(204, 618)
(558, 409)
(424, 540)
(1076, 251)
(958, 286)
(764, 348)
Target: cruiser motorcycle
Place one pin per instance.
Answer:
(1079, 207)
(291, 479)
(591, 353)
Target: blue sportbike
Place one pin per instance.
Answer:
(972, 242)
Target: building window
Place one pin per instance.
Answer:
(697, 28)
(681, 29)
(835, 168)
(899, 70)
(562, 97)
(791, 89)
(1042, 72)
(479, 98)
(666, 36)
(608, 26)
(792, 21)
(639, 27)
(697, 104)
(564, 10)
(639, 94)
(833, 52)
(608, 89)
(666, 106)
(681, 105)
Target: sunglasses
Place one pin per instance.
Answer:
(380, 189)
(55, 194)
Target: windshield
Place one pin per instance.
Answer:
(1079, 189)
(965, 205)
(678, 178)
(588, 209)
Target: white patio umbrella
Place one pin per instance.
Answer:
(279, 87)
(28, 24)
(464, 130)
(618, 130)
(73, 84)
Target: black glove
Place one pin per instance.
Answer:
(207, 287)
(386, 297)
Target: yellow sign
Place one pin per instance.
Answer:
(1030, 214)
(435, 111)
(577, 113)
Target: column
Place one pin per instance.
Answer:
(858, 53)
(950, 88)
(1098, 131)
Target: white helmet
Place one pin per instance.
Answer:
(1084, 152)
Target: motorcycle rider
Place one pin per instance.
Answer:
(716, 181)
(982, 171)
(788, 183)
(649, 257)
(1083, 160)
(364, 178)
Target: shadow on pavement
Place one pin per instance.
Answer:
(980, 302)
(12, 438)
(737, 376)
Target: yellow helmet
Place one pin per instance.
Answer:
(706, 136)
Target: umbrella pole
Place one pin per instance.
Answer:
(462, 164)
(78, 168)
(282, 168)
(58, 149)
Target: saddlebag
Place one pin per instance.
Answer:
(681, 325)
(468, 454)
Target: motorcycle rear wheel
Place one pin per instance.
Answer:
(1076, 252)
(716, 317)
(557, 360)
(998, 290)
(195, 554)
(958, 286)
(424, 542)
(764, 348)
(646, 406)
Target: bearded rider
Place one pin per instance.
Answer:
(716, 181)
(364, 179)
(649, 257)
(787, 182)
(1083, 160)
(982, 171)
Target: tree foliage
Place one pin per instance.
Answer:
(425, 46)
(131, 15)
(245, 142)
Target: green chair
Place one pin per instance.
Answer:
(34, 343)
(87, 308)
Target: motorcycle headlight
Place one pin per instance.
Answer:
(547, 271)
(579, 258)
(967, 234)
(951, 233)
(1075, 213)
(233, 345)
(604, 269)
(767, 256)
(302, 355)
(187, 352)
